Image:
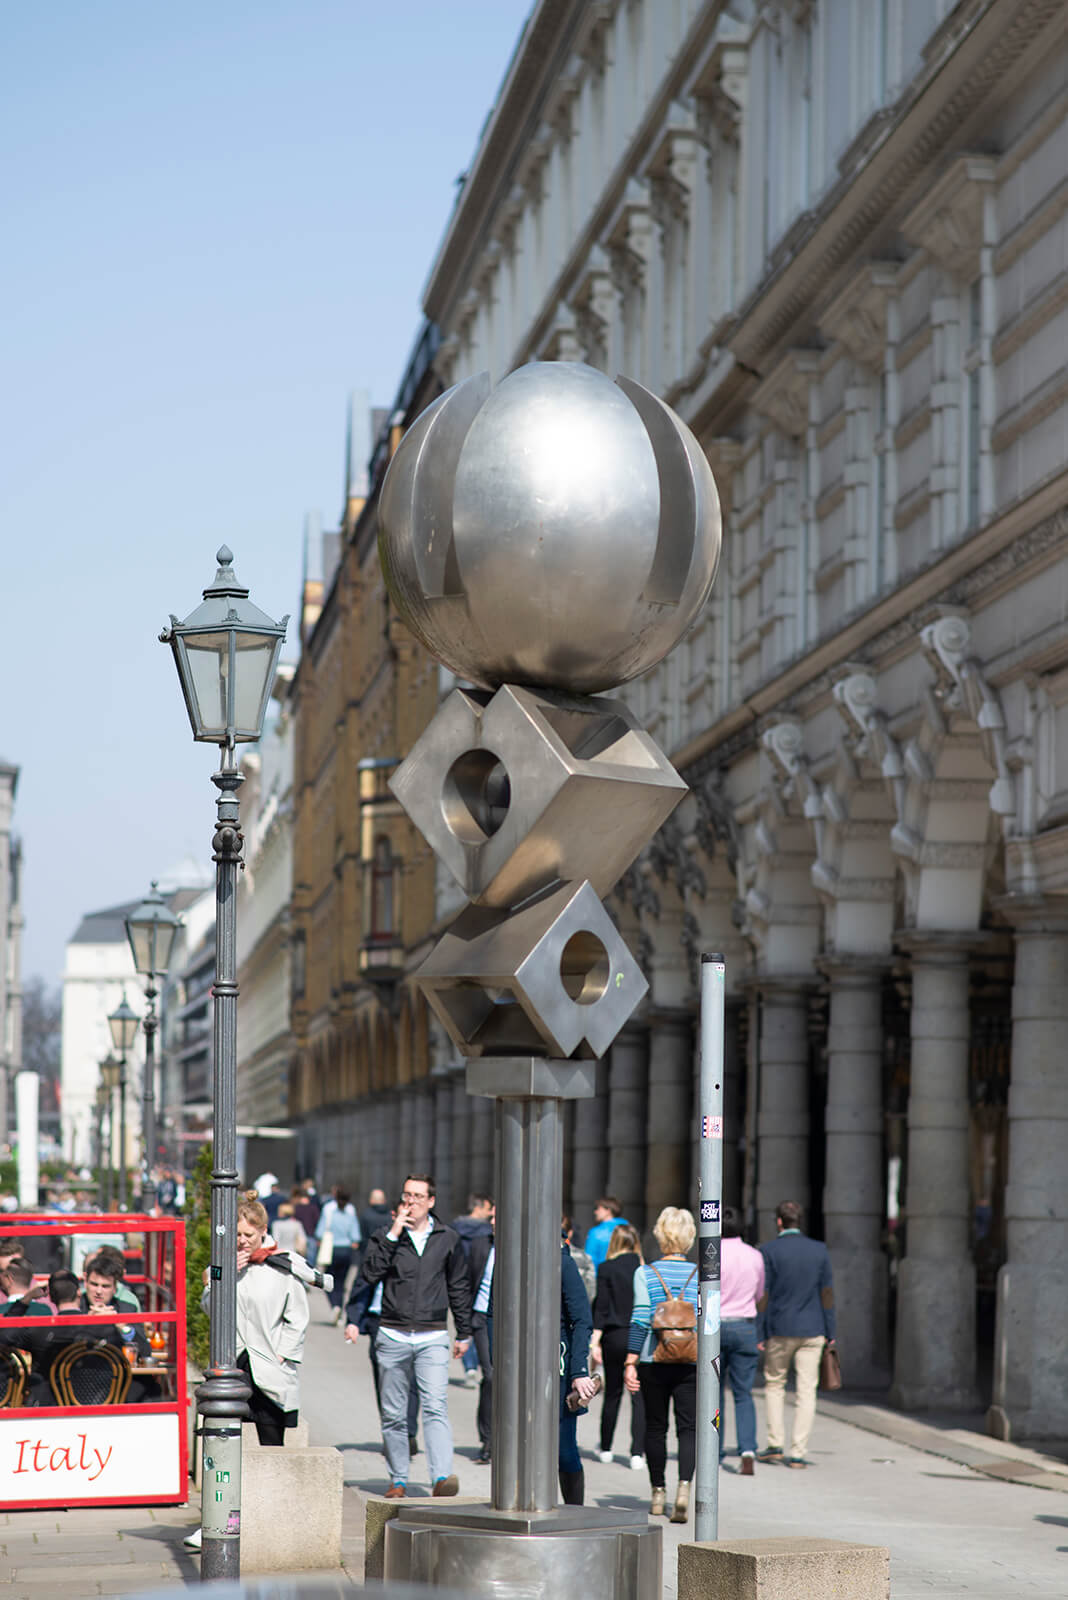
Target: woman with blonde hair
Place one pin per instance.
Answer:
(661, 1361)
(612, 1307)
(272, 1319)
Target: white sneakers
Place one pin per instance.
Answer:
(192, 1540)
(637, 1463)
(605, 1456)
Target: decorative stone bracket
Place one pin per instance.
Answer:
(964, 688)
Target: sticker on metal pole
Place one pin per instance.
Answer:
(711, 1127)
(709, 1263)
(709, 1210)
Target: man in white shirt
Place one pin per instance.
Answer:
(423, 1269)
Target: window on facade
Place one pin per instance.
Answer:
(382, 890)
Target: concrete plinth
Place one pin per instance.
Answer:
(291, 1510)
(584, 1550)
(783, 1569)
(378, 1511)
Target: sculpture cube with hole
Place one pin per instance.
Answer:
(524, 788)
(553, 977)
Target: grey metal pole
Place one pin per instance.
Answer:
(122, 1133)
(148, 1098)
(706, 1510)
(221, 1399)
(526, 1304)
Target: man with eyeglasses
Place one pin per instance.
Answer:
(421, 1265)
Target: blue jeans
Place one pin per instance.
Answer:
(400, 1365)
(738, 1349)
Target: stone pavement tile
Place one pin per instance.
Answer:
(143, 1573)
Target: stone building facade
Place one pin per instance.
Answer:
(833, 237)
(363, 901)
(264, 1035)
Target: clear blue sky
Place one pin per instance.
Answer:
(217, 220)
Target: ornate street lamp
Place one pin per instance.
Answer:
(110, 1075)
(226, 652)
(124, 1024)
(151, 930)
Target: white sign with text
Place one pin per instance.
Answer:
(87, 1457)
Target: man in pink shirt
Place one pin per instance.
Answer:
(742, 1284)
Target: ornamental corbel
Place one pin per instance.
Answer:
(784, 742)
(857, 700)
(948, 645)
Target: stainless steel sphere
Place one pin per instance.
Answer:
(560, 530)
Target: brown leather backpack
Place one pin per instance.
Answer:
(674, 1324)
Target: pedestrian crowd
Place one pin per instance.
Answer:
(398, 1274)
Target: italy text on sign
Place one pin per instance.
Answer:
(88, 1457)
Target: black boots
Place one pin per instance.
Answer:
(573, 1488)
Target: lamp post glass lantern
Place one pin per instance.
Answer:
(124, 1023)
(151, 929)
(226, 653)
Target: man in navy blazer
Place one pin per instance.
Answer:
(796, 1319)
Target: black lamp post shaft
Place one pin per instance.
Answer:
(148, 1099)
(222, 1397)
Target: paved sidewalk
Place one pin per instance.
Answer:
(963, 1514)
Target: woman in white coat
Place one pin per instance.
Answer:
(272, 1319)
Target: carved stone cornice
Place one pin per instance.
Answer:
(948, 221)
(857, 317)
(963, 686)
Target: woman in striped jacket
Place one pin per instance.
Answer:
(661, 1382)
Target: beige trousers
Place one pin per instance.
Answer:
(805, 1354)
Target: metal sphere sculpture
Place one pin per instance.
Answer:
(560, 530)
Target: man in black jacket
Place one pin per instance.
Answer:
(424, 1273)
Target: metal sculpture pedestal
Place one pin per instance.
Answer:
(581, 1550)
(545, 541)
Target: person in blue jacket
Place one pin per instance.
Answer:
(576, 1325)
(607, 1217)
(795, 1319)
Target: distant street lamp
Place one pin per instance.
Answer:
(124, 1024)
(226, 652)
(151, 930)
(110, 1076)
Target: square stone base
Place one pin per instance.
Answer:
(783, 1569)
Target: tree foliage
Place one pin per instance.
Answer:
(198, 1254)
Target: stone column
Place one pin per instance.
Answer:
(463, 1106)
(441, 1162)
(590, 1168)
(423, 1130)
(627, 1101)
(854, 1191)
(1030, 1350)
(935, 1354)
(480, 1153)
(669, 1123)
(783, 1113)
(733, 1102)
